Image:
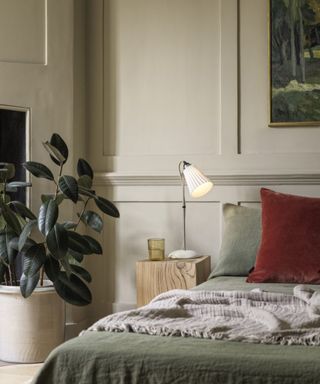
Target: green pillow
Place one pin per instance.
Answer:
(241, 239)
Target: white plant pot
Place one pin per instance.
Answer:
(30, 328)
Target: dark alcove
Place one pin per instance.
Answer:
(13, 140)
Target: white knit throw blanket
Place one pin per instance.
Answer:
(255, 316)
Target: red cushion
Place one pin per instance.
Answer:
(290, 245)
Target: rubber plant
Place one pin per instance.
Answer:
(44, 245)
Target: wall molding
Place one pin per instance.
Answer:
(112, 179)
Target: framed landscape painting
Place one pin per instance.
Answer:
(294, 62)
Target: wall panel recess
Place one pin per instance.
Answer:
(161, 77)
(23, 31)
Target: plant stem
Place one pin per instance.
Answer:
(82, 212)
(41, 277)
(3, 192)
(15, 282)
(10, 275)
(57, 184)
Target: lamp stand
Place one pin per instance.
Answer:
(181, 165)
(183, 253)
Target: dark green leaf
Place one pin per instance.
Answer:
(12, 253)
(57, 241)
(106, 206)
(78, 243)
(69, 187)
(7, 254)
(46, 197)
(81, 272)
(85, 181)
(59, 198)
(52, 268)
(94, 245)
(11, 189)
(19, 184)
(22, 210)
(11, 219)
(69, 225)
(54, 153)
(76, 255)
(14, 244)
(57, 142)
(26, 233)
(3, 246)
(87, 192)
(2, 222)
(28, 284)
(84, 168)
(3, 269)
(66, 266)
(48, 216)
(33, 259)
(7, 199)
(93, 220)
(7, 171)
(3, 175)
(38, 170)
(73, 290)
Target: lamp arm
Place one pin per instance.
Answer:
(181, 166)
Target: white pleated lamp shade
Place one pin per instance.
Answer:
(198, 184)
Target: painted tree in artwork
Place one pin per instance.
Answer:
(295, 48)
(292, 11)
(315, 6)
(280, 32)
(313, 30)
(299, 5)
(296, 19)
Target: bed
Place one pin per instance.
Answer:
(107, 357)
(133, 358)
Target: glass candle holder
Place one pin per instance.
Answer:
(156, 249)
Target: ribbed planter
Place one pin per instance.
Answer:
(30, 328)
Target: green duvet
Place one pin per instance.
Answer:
(102, 357)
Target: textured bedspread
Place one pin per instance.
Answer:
(255, 316)
(125, 358)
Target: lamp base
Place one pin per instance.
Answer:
(183, 254)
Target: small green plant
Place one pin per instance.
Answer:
(42, 244)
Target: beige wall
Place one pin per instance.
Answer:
(138, 85)
(165, 84)
(42, 71)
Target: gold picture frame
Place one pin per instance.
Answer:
(294, 59)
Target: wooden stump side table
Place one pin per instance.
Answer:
(155, 277)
